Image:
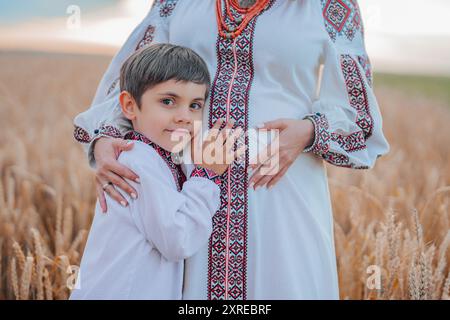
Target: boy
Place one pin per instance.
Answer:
(137, 251)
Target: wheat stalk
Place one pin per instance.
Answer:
(39, 254)
(14, 278)
(25, 279)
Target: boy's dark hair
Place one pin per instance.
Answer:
(161, 62)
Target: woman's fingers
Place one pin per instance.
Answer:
(265, 172)
(110, 170)
(266, 178)
(123, 145)
(263, 158)
(268, 150)
(101, 196)
(113, 193)
(122, 172)
(261, 180)
(274, 180)
(119, 182)
(266, 153)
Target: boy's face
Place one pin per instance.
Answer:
(168, 112)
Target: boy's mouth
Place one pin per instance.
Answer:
(178, 131)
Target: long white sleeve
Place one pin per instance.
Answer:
(346, 117)
(104, 117)
(176, 223)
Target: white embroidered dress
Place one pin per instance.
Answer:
(278, 243)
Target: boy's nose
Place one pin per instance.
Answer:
(183, 116)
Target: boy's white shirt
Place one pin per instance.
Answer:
(137, 252)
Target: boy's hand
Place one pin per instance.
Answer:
(217, 150)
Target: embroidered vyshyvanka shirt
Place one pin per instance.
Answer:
(297, 59)
(137, 252)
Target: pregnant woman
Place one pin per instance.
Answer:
(299, 66)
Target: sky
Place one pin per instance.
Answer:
(402, 36)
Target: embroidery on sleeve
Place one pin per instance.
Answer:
(342, 18)
(364, 61)
(110, 131)
(81, 135)
(165, 7)
(357, 95)
(148, 37)
(354, 141)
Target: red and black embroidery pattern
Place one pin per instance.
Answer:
(166, 7)
(227, 258)
(357, 95)
(83, 136)
(364, 61)
(342, 17)
(206, 173)
(341, 160)
(354, 141)
(148, 37)
(321, 144)
(176, 170)
(322, 137)
(108, 130)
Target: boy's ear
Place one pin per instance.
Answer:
(128, 105)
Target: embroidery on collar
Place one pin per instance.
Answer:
(178, 174)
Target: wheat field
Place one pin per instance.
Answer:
(392, 221)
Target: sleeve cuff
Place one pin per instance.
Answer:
(206, 173)
(321, 143)
(82, 136)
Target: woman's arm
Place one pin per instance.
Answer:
(104, 117)
(100, 128)
(346, 117)
(346, 121)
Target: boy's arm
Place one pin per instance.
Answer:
(177, 223)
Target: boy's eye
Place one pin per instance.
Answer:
(196, 106)
(167, 102)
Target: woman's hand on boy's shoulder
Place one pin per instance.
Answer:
(110, 172)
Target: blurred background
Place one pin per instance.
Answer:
(393, 29)
(395, 217)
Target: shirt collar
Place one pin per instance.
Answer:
(166, 155)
